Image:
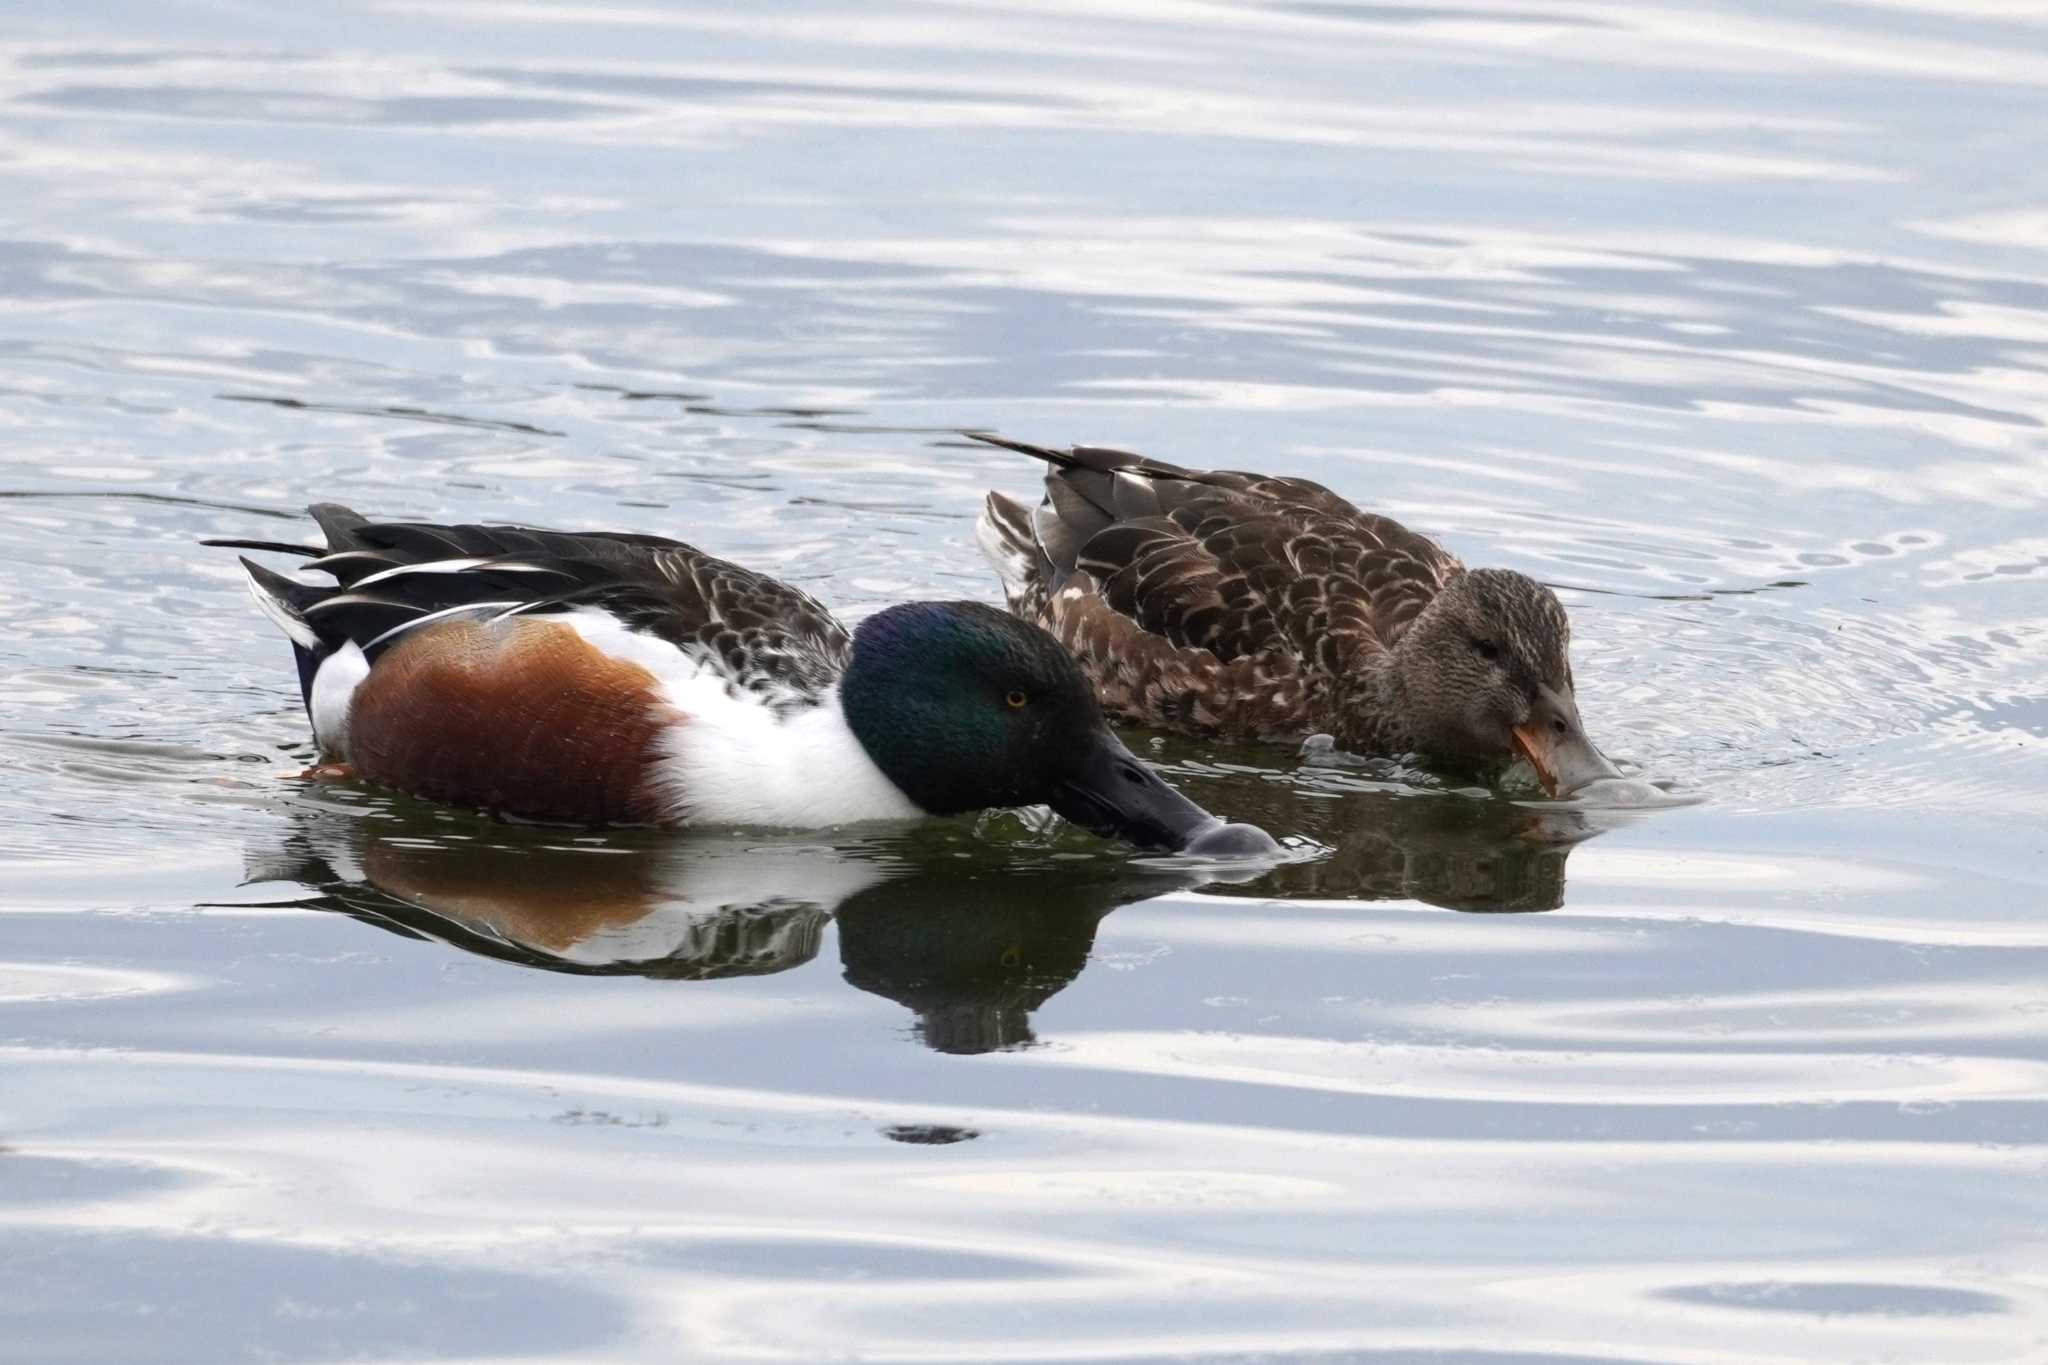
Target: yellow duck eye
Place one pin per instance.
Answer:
(1016, 700)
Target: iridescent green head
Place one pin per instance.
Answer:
(966, 707)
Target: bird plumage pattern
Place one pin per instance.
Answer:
(1220, 602)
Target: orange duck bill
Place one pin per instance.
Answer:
(1555, 743)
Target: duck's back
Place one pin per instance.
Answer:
(1212, 601)
(544, 674)
(763, 634)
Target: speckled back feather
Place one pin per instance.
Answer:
(1213, 601)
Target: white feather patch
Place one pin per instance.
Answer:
(430, 566)
(609, 635)
(328, 563)
(735, 760)
(328, 700)
(1015, 564)
(444, 566)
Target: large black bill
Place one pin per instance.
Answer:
(1109, 792)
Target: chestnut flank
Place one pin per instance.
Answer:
(521, 717)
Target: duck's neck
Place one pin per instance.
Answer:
(1371, 714)
(909, 696)
(892, 708)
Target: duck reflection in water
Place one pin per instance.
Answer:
(970, 933)
(970, 944)
(1481, 856)
(1390, 837)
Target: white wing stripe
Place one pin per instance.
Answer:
(356, 599)
(281, 616)
(448, 566)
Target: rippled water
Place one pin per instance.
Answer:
(1731, 320)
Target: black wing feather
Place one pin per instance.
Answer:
(763, 634)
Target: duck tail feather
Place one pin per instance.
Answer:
(284, 602)
(1060, 458)
(1102, 460)
(280, 547)
(1010, 545)
(338, 523)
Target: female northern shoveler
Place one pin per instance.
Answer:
(1247, 605)
(604, 678)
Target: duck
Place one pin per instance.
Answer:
(1241, 605)
(604, 678)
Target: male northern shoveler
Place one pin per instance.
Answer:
(1248, 605)
(604, 678)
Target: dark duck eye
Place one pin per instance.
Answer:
(1488, 650)
(1016, 700)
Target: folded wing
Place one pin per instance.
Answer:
(391, 578)
(1217, 601)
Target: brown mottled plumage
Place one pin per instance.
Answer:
(1248, 605)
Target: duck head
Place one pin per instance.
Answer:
(965, 707)
(1485, 676)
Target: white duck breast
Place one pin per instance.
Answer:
(737, 758)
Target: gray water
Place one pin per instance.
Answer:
(1731, 320)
